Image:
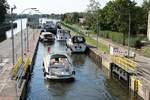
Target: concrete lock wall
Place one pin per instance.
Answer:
(148, 28)
(142, 90)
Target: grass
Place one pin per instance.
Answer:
(114, 36)
(146, 52)
(101, 47)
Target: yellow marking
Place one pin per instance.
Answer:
(16, 67)
(125, 63)
(136, 85)
(27, 63)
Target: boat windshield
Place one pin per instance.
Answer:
(78, 39)
(58, 61)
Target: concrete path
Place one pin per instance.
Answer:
(7, 85)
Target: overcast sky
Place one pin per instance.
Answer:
(55, 6)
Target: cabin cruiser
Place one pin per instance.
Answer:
(77, 44)
(50, 26)
(47, 37)
(58, 66)
(63, 34)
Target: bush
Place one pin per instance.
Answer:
(138, 44)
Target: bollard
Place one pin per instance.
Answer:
(136, 86)
(1, 58)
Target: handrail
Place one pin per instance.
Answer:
(16, 67)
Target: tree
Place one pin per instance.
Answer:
(145, 10)
(146, 5)
(92, 14)
(3, 10)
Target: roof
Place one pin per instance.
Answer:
(43, 33)
(58, 56)
(78, 39)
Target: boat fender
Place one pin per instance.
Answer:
(43, 69)
(73, 72)
(44, 74)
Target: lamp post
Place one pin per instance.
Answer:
(12, 34)
(22, 32)
(97, 33)
(97, 26)
(129, 33)
(28, 31)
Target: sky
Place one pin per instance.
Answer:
(55, 6)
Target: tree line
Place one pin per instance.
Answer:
(3, 10)
(113, 17)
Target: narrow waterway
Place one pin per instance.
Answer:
(90, 83)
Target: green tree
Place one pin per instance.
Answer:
(146, 5)
(3, 10)
(92, 14)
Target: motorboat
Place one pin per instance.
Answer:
(50, 26)
(77, 44)
(58, 66)
(47, 37)
(63, 34)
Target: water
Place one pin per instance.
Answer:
(90, 83)
(18, 28)
(24, 22)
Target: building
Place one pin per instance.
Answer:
(148, 28)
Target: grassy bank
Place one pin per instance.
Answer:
(89, 40)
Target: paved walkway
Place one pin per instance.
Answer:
(7, 85)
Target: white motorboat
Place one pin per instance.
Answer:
(47, 37)
(77, 44)
(63, 34)
(58, 66)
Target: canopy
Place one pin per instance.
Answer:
(78, 39)
(58, 56)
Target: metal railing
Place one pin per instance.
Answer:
(19, 71)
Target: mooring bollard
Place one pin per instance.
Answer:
(1, 58)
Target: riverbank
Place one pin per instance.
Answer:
(105, 59)
(116, 38)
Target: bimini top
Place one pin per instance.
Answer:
(58, 56)
(78, 39)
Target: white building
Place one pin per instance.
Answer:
(148, 28)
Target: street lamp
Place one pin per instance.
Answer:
(97, 25)
(27, 31)
(22, 32)
(12, 34)
(129, 33)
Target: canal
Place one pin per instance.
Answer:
(91, 83)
